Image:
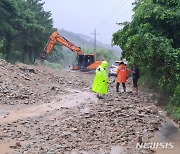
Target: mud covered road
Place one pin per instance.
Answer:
(51, 112)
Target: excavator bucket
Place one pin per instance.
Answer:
(94, 65)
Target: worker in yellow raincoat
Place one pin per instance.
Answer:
(100, 83)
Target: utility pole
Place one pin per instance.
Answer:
(94, 40)
(83, 45)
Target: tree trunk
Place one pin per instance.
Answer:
(24, 53)
(30, 54)
(35, 55)
(8, 47)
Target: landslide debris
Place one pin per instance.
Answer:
(120, 119)
(24, 84)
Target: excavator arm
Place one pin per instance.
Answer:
(54, 38)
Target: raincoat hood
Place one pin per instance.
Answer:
(104, 64)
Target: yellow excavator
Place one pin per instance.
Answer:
(85, 62)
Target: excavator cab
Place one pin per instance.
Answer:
(84, 61)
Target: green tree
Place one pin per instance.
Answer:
(101, 54)
(8, 13)
(25, 28)
(152, 40)
(35, 26)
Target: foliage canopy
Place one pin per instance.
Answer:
(152, 41)
(25, 26)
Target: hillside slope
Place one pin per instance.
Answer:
(84, 41)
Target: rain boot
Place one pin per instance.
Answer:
(124, 88)
(136, 90)
(99, 96)
(117, 87)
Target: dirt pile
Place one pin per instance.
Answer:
(24, 84)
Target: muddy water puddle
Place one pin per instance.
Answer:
(169, 135)
(5, 147)
(113, 150)
(74, 98)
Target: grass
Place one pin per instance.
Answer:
(150, 85)
(173, 111)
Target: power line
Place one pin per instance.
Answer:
(108, 31)
(114, 20)
(110, 15)
(123, 16)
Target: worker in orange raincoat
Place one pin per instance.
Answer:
(100, 83)
(122, 76)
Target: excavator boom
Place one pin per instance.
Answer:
(55, 37)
